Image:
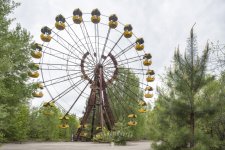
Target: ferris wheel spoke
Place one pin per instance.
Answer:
(59, 57)
(138, 81)
(57, 82)
(68, 90)
(87, 38)
(113, 47)
(89, 61)
(109, 62)
(89, 70)
(48, 64)
(125, 50)
(56, 98)
(77, 98)
(81, 52)
(118, 58)
(87, 43)
(127, 88)
(77, 88)
(89, 67)
(76, 36)
(121, 102)
(129, 82)
(122, 51)
(98, 43)
(128, 68)
(60, 52)
(110, 72)
(131, 58)
(58, 77)
(106, 40)
(117, 99)
(75, 55)
(56, 69)
(125, 75)
(118, 91)
(129, 62)
(113, 104)
(78, 49)
(52, 67)
(67, 42)
(95, 43)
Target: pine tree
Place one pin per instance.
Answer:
(176, 111)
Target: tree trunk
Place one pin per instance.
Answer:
(192, 129)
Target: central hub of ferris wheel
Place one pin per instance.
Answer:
(97, 66)
(111, 60)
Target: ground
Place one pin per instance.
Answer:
(75, 146)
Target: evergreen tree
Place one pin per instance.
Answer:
(177, 109)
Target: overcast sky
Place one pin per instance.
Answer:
(164, 24)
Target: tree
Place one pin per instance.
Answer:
(14, 59)
(212, 120)
(18, 126)
(124, 95)
(177, 109)
(44, 125)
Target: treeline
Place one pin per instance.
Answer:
(34, 125)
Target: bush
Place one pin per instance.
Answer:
(2, 139)
(119, 135)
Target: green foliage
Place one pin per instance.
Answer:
(212, 121)
(124, 95)
(119, 135)
(175, 121)
(3, 115)
(14, 90)
(103, 137)
(17, 128)
(66, 134)
(49, 124)
(45, 126)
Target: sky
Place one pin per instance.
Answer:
(164, 24)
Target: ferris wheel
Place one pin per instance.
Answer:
(81, 63)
